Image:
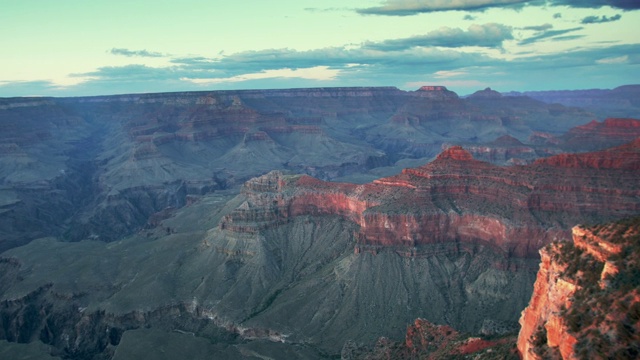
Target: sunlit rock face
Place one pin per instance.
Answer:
(456, 199)
(597, 135)
(585, 302)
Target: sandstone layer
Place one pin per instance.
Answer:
(585, 303)
(456, 199)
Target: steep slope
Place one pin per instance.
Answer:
(586, 300)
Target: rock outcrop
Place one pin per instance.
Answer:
(625, 157)
(455, 199)
(599, 135)
(428, 341)
(585, 302)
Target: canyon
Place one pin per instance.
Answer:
(304, 223)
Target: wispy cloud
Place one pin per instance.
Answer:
(319, 73)
(594, 4)
(614, 60)
(547, 34)
(414, 7)
(135, 53)
(324, 10)
(566, 37)
(601, 19)
(488, 35)
(542, 27)
(345, 64)
(358, 66)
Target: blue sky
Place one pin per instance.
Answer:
(79, 47)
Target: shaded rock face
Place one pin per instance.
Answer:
(486, 94)
(585, 302)
(621, 101)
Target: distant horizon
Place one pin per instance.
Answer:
(97, 48)
(314, 87)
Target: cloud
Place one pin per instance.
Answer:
(132, 53)
(598, 20)
(594, 4)
(469, 17)
(334, 66)
(542, 27)
(614, 60)
(601, 66)
(547, 34)
(26, 88)
(488, 35)
(557, 15)
(323, 10)
(567, 37)
(321, 73)
(413, 7)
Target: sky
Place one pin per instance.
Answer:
(97, 47)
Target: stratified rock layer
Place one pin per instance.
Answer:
(456, 199)
(586, 303)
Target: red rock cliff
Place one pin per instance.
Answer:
(585, 302)
(455, 199)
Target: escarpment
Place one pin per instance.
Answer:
(585, 303)
(454, 199)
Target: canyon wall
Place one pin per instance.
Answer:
(585, 302)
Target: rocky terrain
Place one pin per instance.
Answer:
(311, 264)
(586, 300)
(156, 224)
(99, 167)
(425, 340)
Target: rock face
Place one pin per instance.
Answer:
(625, 157)
(455, 199)
(507, 150)
(486, 94)
(100, 167)
(599, 135)
(622, 101)
(585, 302)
